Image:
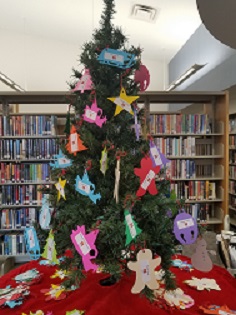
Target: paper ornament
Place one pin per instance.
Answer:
(182, 265)
(46, 263)
(137, 126)
(45, 214)
(218, 310)
(203, 284)
(31, 243)
(142, 77)
(39, 312)
(13, 296)
(50, 252)
(29, 277)
(123, 102)
(117, 180)
(104, 161)
(201, 259)
(147, 174)
(85, 82)
(85, 187)
(116, 58)
(159, 275)
(157, 157)
(60, 189)
(185, 228)
(75, 144)
(61, 161)
(177, 298)
(56, 292)
(131, 228)
(93, 114)
(85, 246)
(75, 312)
(145, 271)
(60, 274)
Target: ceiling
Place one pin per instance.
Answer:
(74, 20)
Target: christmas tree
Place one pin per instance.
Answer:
(104, 187)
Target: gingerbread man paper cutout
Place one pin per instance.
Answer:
(85, 246)
(145, 271)
(75, 144)
(147, 174)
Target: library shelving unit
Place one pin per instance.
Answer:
(209, 146)
(232, 164)
(195, 140)
(28, 143)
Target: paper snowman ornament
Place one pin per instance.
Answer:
(185, 228)
(201, 259)
(145, 271)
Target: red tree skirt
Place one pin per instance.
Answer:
(117, 299)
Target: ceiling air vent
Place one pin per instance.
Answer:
(144, 13)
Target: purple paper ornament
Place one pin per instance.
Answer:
(185, 228)
(85, 82)
(157, 157)
(93, 114)
(142, 77)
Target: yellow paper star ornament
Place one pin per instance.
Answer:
(123, 102)
(60, 188)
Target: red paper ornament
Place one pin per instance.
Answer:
(147, 174)
(142, 77)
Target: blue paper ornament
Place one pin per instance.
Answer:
(116, 58)
(32, 243)
(45, 214)
(86, 188)
(61, 161)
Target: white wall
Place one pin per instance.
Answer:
(39, 64)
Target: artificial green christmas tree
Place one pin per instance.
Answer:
(102, 187)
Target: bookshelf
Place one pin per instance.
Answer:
(28, 142)
(232, 163)
(215, 104)
(195, 139)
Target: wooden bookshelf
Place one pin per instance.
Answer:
(215, 106)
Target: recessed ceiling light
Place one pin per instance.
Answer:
(144, 13)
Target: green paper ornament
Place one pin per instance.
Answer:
(131, 228)
(50, 252)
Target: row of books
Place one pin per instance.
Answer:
(12, 244)
(232, 140)
(232, 186)
(232, 201)
(181, 146)
(232, 156)
(200, 212)
(232, 171)
(18, 218)
(180, 123)
(188, 169)
(195, 190)
(28, 148)
(21, 172)
(27, 125)
(20, 195)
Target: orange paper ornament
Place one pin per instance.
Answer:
(75, 144)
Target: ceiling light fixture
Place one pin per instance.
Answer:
(10, 83)
(144, 13)
(185, 76)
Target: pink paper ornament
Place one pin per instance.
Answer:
(142, 77)
(93, 114)
(85, 82)
(84, 244)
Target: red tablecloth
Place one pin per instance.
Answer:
(117, 299)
